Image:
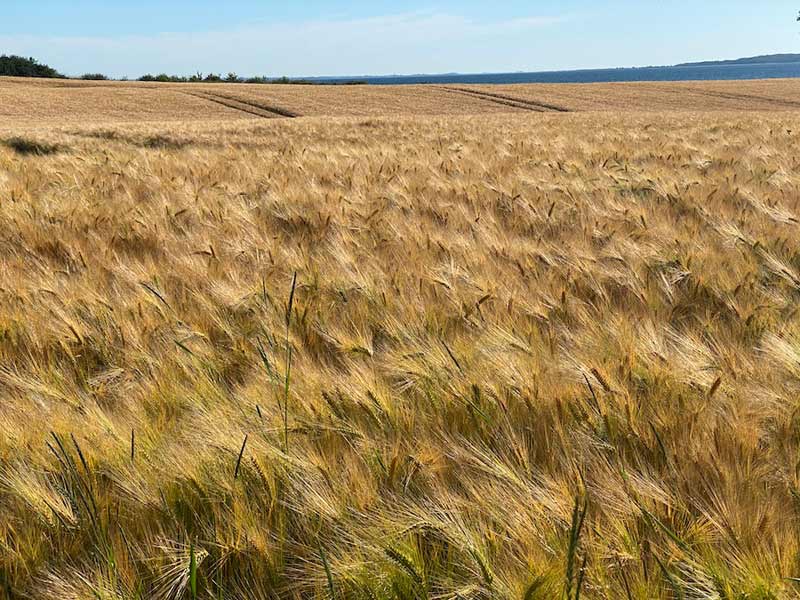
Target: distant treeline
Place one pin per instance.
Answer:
(234, 78)
(18, 66)
(218, 78)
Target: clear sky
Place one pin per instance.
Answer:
(360, 37)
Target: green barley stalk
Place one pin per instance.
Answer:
(288, 366)
(239, 459)
(328, 575)
(578, 516)
(192, 571)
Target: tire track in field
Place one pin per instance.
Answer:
(276, 110)
(509, 100)
(754, 97)
(494, 101)
(254, 108)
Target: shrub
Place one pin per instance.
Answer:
(94, 77)
(163, 78)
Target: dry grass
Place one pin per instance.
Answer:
(59, 101)
(23, 103)
(526, 356)
(106, 102)
(767, 95)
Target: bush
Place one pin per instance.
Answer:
(163, 78)
(94, 77)
(17, 66)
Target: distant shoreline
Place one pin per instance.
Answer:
(769, 59)
(687, 72)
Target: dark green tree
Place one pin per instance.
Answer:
(18, 66)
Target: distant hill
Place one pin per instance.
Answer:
(19, 66)
(753, 60)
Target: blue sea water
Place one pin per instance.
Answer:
(685, 73)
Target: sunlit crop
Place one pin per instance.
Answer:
(493, 356)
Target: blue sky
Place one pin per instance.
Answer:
(358, 37)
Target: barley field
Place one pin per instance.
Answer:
(398, 348)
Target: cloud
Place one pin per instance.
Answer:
(401, 43)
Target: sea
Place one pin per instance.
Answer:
(678, 73)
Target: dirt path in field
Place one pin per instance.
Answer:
(509, 100)
(248, 106)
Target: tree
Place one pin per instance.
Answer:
(18, 66)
